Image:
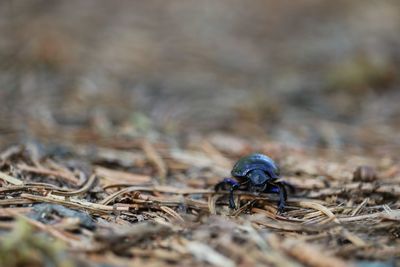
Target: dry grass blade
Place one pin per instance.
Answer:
(319, 207)
(10, 179)
(172, 213)
(310, 255)
(203, 252)
(392, 215)
(50, 173)
(270, 214)
(360, 207)
(154, 157)
(76, 203)
(114, 176)
(243, 208)
(273, 256)
(353, 238)
(361, 217)
(9, 152)
(161, 189)
(212, 199)
(117, 194)
(89, 183)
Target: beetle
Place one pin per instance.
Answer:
(256, 173)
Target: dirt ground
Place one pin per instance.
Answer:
(117, 118)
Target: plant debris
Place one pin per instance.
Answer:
(118, 213)
(119, 118)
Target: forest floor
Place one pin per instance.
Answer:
(133, 201)
(117, 119)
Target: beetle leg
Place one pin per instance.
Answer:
(282, 197)
(231, 200)
(272, 188)
(292, 189)
(226, 181)
(278, 188)
(234, 185)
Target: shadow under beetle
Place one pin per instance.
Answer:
(256, 173)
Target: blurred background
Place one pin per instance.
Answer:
(306, 73)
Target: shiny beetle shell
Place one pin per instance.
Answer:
(253, 162)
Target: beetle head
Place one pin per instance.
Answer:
(257, 180)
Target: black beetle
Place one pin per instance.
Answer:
(256, 173)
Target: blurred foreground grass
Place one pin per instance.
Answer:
(25, 247)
